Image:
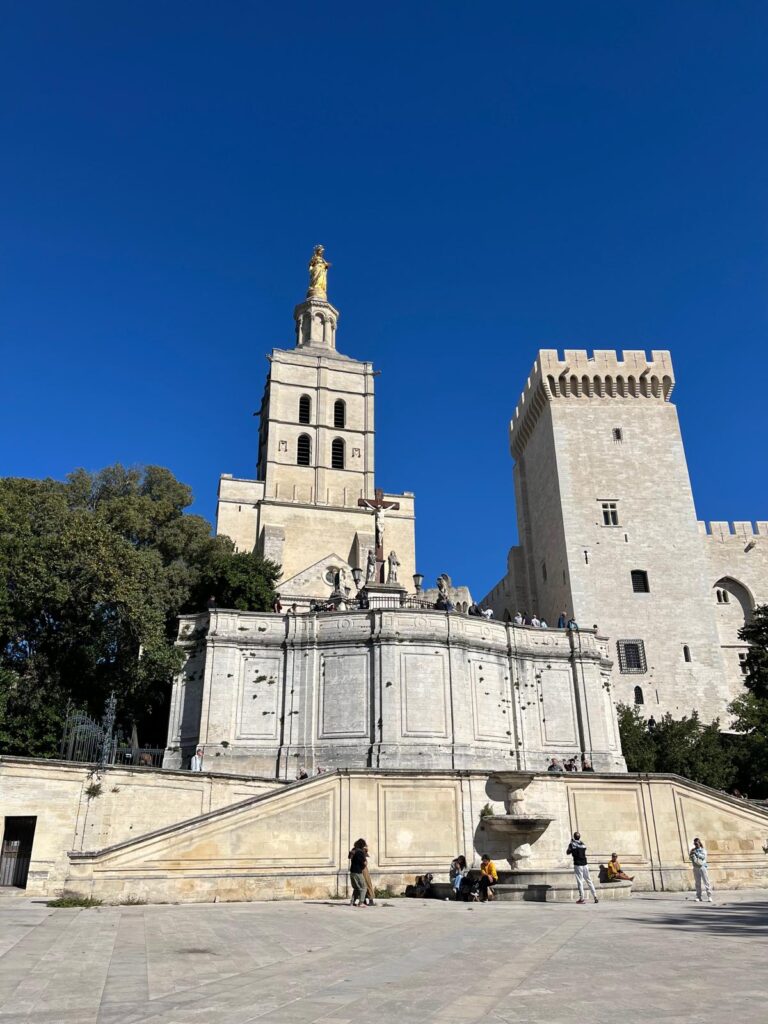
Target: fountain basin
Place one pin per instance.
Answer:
(516, 824)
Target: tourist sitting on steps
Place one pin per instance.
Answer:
(614, 871)
(458, 873)
(488, 877)
(578, 851)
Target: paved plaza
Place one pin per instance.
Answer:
(654, 958)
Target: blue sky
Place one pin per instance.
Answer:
(487, 179)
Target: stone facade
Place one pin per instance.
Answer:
(405, 688)
(608, 532)
(82, 807)
(293, 843)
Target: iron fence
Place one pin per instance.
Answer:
(91, 742)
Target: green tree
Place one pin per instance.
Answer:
(681, 746)
(636, 742)
(95, 571)
(750, 710)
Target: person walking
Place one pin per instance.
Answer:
(358, 861)
(698, 856)
(578, 851)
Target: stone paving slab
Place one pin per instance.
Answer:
(660, 958)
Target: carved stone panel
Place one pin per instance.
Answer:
(491, 711)
(423, 695)
(343, 696)
(558, 708)
(258, 698)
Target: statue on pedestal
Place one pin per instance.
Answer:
(318, 275)
(370, 567)
(392, 567)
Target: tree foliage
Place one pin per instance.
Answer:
(682, 746)
(95, 571)
(750, 710)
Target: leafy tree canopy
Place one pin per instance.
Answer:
(682, 746)
(750, 710)
(94, 572)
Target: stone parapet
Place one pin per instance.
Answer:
(389, 687)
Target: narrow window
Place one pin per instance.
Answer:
(631, 656)
(610, 513)
(726, 597)
(743, 663)
(339, 414)
(719, 595)
(639, 699)
(686, 652)
(337, 453)
(618, 435)
(586, 557)
(640, 581)
(305, 409)
(304, 450)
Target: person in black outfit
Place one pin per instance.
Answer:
(357, 861)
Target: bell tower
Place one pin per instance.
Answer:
(315, 455)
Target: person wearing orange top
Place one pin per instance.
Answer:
(488, 876)
(615, 871)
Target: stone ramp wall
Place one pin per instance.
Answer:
(84, 807)
(293, 843)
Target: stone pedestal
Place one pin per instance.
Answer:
(384, 595)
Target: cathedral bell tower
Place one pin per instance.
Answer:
(315, 457)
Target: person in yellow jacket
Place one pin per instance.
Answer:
(615, 872)
(488, 877)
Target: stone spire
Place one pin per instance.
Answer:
(316, 318)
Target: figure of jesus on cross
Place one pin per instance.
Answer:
(379, 507)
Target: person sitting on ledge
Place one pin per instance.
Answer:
(615, 872)
(488, 876)
(458, 873)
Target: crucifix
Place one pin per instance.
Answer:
(378, 506)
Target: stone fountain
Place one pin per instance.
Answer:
(534, 876)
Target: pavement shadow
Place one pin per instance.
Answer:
(736, 919)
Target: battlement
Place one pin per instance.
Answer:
(604, 374)
(736, 532)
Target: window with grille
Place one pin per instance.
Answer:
(631, 656)
(304, 450)
(639, 698)
(339, 414)
(305, 409)
(337, 454)
(610, 513)
(618, 435)
(640, 581)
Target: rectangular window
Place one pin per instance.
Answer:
(631, 656)
(610, 513)
(743, 663)
(618, 435)
(640, 581)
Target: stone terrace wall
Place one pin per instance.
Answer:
(130, 802)
(389, 689)
(293, 843)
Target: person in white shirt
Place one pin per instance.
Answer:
(518, 619)
(488, 613)
(535, 621)
(196, 764)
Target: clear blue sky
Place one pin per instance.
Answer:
(487, 179)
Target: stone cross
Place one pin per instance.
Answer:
(378, 506)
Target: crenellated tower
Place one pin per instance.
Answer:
(607, 525)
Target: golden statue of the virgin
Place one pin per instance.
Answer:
(318, 275)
